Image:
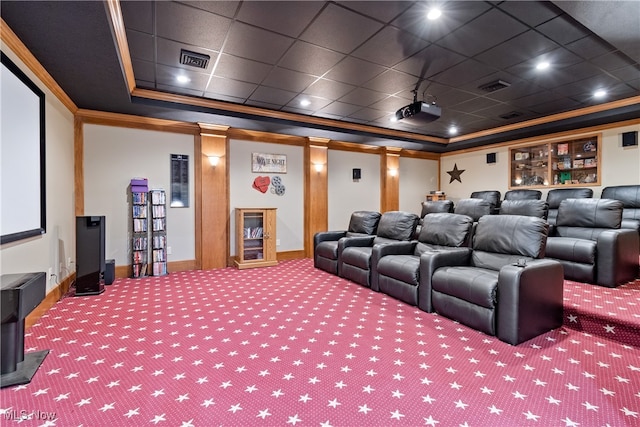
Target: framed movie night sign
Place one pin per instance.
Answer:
(268, 163)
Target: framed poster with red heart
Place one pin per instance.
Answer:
(261, 183)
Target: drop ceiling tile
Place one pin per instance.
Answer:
(463, 73)
(589, 47)
(168, 53)
(137, 15)
(140, 45)
(584, 89)
(186, 24)
(389, 46)
(451, 97)
(474, 86)
(363, 97)
(567, 75)
(180, 90)
(329, 89)
(557, 106)
(225, 98)
(562, 29)
(225, 8)
(390, 104)
(430, 61)
(315, 103)
(454, 15)
(384, 11)
(242, 69)
(474, 104)
(532, 13)
(293, 81)
(144, 70)
(272, 95)
(284, 17)
(341, 109)
(482, 33)
(340, 29)
(631, 72)
(354, 71)
(517, 90)
(612, 61)
(392, 81)
(166, 76)
(310, 59)
(536, 99)
(523, 47)
(498, 110)
(253, 43)
(368, 114)
(228, 87)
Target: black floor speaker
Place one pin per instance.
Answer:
(90, 255)
(110, 271)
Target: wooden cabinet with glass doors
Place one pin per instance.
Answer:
(566, 162)
(255, 237)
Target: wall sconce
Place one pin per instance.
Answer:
(393, 172)
(318, 167)
(214, 160)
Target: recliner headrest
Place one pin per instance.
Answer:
(557, 195)
(445, 229)
(629, 195)
(397, 225)
(365, 222)
(475, 208)
(512, 235)
(436, 206)
(590, 213)
(527, 207)
(523, 194)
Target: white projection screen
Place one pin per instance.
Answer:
(22, 155)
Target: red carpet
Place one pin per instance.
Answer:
(291, 345)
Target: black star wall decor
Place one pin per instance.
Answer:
(455, 174)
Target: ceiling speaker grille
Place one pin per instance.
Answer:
(194, 59)
(494, 86)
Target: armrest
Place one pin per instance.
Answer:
(529, 300)
(378, 251)
(324, 236)
(552, 230)
(430, 261)
(361, 242)
(617, 256)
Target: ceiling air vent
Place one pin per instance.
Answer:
(511, 115)
(194, 59)
(494, 86)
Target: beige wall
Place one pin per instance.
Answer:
(620, 166)
(417, 178)
(51, 250)
(114, 155)
(290, 213)
(346, 195)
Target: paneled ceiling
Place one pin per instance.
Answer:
(349, 62)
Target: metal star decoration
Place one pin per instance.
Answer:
(455, 174)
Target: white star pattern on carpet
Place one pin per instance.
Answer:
(292, 345)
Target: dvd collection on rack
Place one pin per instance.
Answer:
(253, 233)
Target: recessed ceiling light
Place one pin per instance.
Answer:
(453, 130)
(305, 102)
(600, 93)
(434, 14)
(393, 118)
(183, 79)
(543, 65)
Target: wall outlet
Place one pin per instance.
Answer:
(168, 250)
(50, 273)
(277, 242)
(69, 262)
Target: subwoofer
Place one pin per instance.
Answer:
(90, 255)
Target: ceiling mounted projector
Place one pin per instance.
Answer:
(418, 113)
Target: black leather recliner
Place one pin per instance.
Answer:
(526, 207)
(325, 244)
(492, 196)
(501, 286)
(354, 254)
(523, 194)
(557, 195)
(589, 243)
(475, 208)
(396, 267)
(433, 206)
(629, 195)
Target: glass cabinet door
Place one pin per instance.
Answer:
(253, 241)
(575, 162)
(530, 166)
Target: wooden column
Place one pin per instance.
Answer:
(78, 165)
(315, 190)
(212, 197)
(389, 179)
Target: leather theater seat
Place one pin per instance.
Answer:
(555, 196)
(354, 261)
(526, 207)
(502, 287)
(589, 243)
(325, 244)
(397, 266)
(491, 196)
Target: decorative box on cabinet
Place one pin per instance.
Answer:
(255, 237)
(560, 163)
